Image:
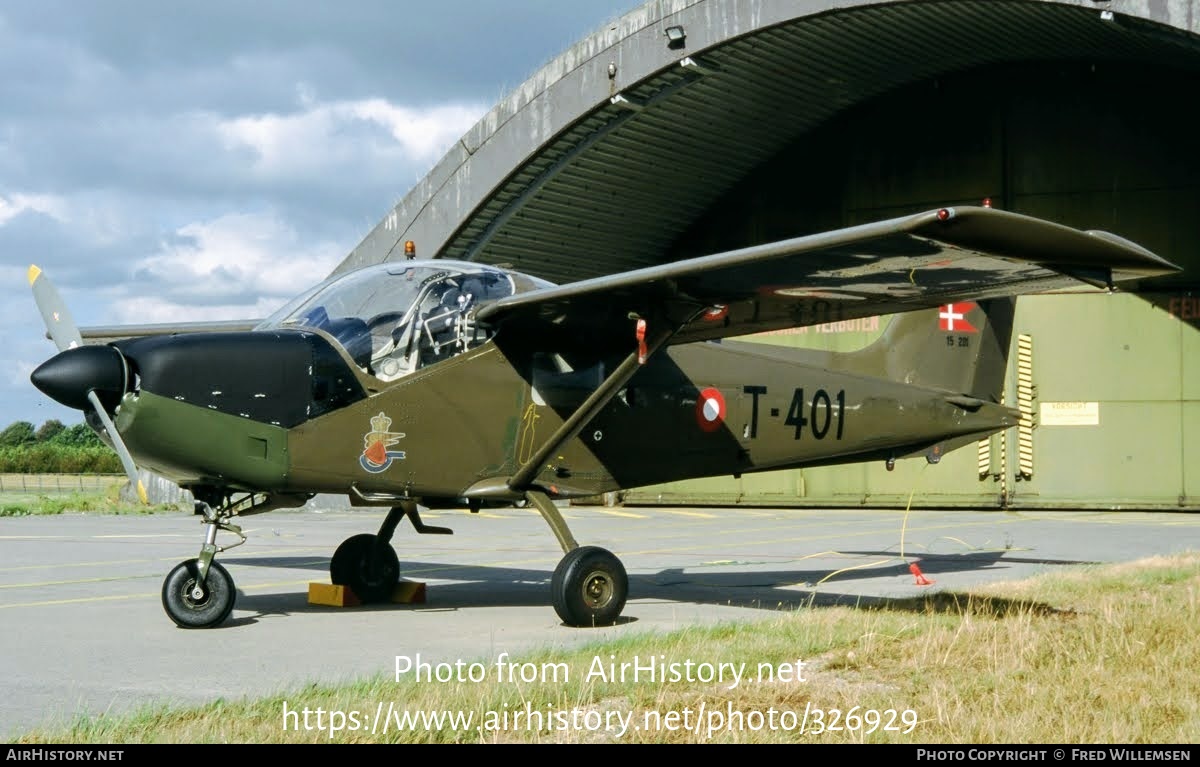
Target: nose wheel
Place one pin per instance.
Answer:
(196, 602)
(199, 593)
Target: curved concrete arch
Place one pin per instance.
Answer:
(609, 153)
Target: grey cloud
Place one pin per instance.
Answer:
(410, 50)
(114, 106)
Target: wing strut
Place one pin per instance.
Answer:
(595, 402)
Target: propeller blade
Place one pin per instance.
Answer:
(54, 311)
(126, 459)
(65, 335)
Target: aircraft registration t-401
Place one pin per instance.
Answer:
(451, 384)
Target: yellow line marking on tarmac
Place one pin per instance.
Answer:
(697, 514)
(272, 553)
(507, 563)
(675, 549)
(783, 522)
(109, 598)
(1004, 519)
(246, 530)
(131, 577)
(825, 536)
(1101, 517)
(143, 595)
(58, 565)
(80, 580)
(144, 535)
(848, 534)
(627, 514)
(254, 586)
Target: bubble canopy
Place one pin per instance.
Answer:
(396, 317)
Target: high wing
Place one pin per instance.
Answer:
(898, 265)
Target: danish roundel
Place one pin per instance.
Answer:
(710, 409)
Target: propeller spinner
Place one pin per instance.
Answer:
(78, 374)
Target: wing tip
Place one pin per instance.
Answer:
(33, 273)
(1154, 264)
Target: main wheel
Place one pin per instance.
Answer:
(589, 587)
(371, 572)
(193, 606)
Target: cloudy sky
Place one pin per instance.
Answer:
(172, 161)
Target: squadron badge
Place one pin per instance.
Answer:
(376, 457)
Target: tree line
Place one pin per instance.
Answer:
(55, 448)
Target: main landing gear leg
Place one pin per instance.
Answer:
(589, 586)
(199, 593)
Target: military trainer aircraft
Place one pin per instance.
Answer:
(451, 384)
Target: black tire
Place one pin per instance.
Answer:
(352, 565)
(211, 608)
(589, 587)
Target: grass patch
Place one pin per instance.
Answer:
(99, 502)
(1096, 654)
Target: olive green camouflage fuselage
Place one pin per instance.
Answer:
(693, 410)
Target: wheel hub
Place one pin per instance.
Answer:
(597, 590)
(194, 594)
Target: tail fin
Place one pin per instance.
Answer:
(960, 348)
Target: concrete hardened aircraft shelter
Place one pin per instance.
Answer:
(688, 127)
